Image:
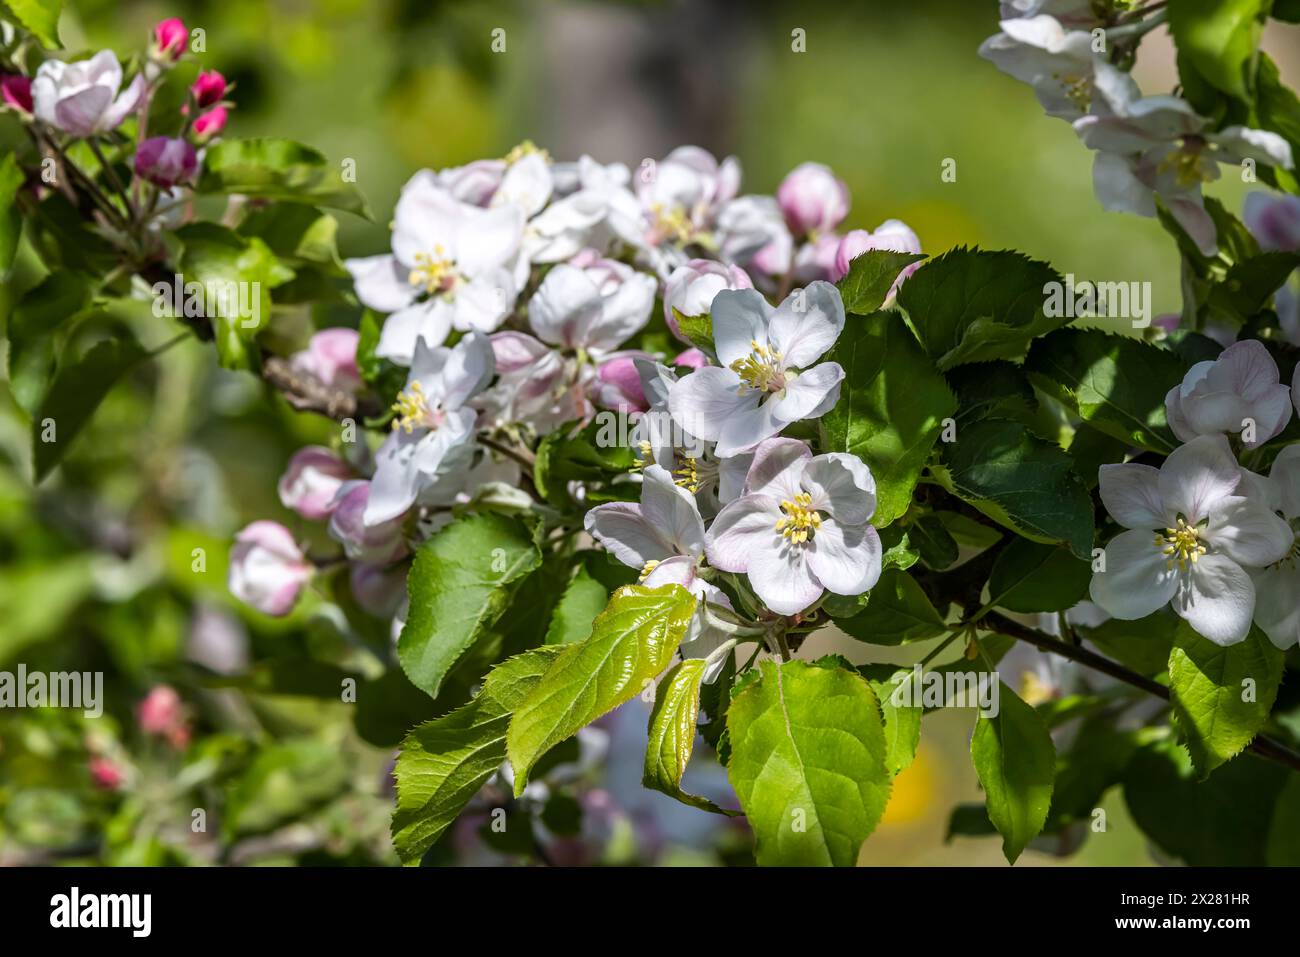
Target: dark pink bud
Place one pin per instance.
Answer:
(210, 123)
(17, 92)
(691, 359)
(209, 88)
(620, 386)
(170, 37)
(105, 773)
(165, 161)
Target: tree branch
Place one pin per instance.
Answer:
(306, 393)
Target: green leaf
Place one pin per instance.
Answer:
(78, 388)
(871, 276)
(285, 781)
(932, 541)
(897, 611)
(171, 96)
(443, 763)
(1278, 109)
(41, 17)
(672, 733)
(1142, 645)
(237, 275)
(902, 721)
(1221, 696)
(592, 454)
(299, 235)
(1223, 821)
(891, 407)
(585, 597)
(631, 642)
(1028, 577)
(1219, 38)
(1096, 762)
(969, 305)
(269, 168)
(1020, 481)
(808, 763)
(11, 223)
(1116, 384)
(992, 390)
(1015, 761)
(1283, 848)
(698, 330)
(1250, 284)
(458, 587)
(33, 326)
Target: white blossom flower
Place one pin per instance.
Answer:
(1192, 536)
(768, 378)
(453, 266)
(1237, 392)
(82, 98)
(432, 437)
(692, 285)
(751, 232)
(801, 528)
(663, 536)
(596, 211)
(268, 570)
(311, 481)
(1056, 62)
(536, 384)
(591, 305)
(1277, 586)
(682, 193)
(813, 199)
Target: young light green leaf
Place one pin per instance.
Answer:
(897, 611)
(41, 17)
(807, 761)
(1116, 384)
(280, 169)
(1219, 38)
(871, 276)
(444, 762)
(11, 223)
(697, 329)
(1015, 761)
(672, 733)
(77, 390)
(1221, 696)
(1028, 577)
(891, 408)
(585, 597)
(458, 587)
(631, 642)
(902, 721)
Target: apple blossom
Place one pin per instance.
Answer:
(813, 199)
(453, 265)
(595, 210)
(105, 773)
(591, 304)
(535, 383)
(381, 543)
(1273, 219)
(768, 378)
(801, 528)
(1237, 392)
(1277, 610)
(618, 385)
(83, 98)
(433, 435)
(1192, 535)
(751, 232)
(331, 358)
(211, 123)
(16, 92)
(893, 235)
(166, 161)
(170, 38)
(683, 192)
(1058, 63)
(311, 481)
(267, 568)
(209, 89)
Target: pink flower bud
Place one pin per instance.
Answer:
(691, 288)
(165, 162)
(331, 357)
(854, 244)
(105, 773)
(162, 715)
(211, 123)
(209, 88)
(618, 386)
(267, 568)
(380, 544)
(378, 590)
(313, 478)
(1274, 220)
(691, 359)
(892, 234)
(17, 92)
(812, 199)
(170, 38)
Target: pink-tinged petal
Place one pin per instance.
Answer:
(78, 113)
(777, 467)
(846, 559)
(311, 481)
(627, 534)
(742, 530)
(1248, 532)
(679, 570)
(1273, 219)
(782, 578)
(1217, 598)
(1174, 414)
(812, 394)
(843, 486)
(1131, 494)
(1245, 368)
(691, 359)
(702, 402)
(1276, 610)
(267, 569)
(672, 511)
(125, 104)
(1137, 580)
(740, 319)
(1191, 215)
(1197, 477)
(515, 351)
(806, 324)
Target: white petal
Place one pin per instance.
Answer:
(743, 529)
(623, 313)
(672, 511)
(484, 302)
(489, 238)
(702, 403)
(622, 529)
(469, 368)
(1197, 477)
(1247, 532)
(777, 467)
(843, 486)
(564, 306)
(1276, 610)
(429, 321)
(782, 578)
(1131, 494)
(1242, 142)
(1217, 598)
(812, 394)
(380, 282)
(1137, 580)
(739, 319)
(678, 570)
(806, 325)
(845, 558)
(745, 429)
(1285, 476)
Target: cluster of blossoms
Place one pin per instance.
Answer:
(1205, 534)
(1147, 147)
(522, 295)
(90, 100)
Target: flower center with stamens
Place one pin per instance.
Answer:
(1078, 90)
(414, 411)
(1190, 165)
(688, 474)
(434, 271)
(1181, 545)
(647, 568)
(800, 520)
(761, 369)
(526, 148)
(670, 224)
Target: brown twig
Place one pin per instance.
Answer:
(306, 393)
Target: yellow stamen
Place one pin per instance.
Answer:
(1078, 90)
(673, 224)
(800, 520)
(1181, 545)
(526, 148)
(412, 408)
(688, 475)
(761, 369)
(1189, 166)
(647, 568)
(434, 271)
